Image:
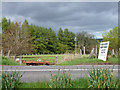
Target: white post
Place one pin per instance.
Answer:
(92, 52)
(96, 51)
(80, 52)
(84, 50)
(8, 53)
(113, 52)
(1, 52)
(14, 57)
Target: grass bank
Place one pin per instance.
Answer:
(78, 83)
(80, 61)
(51, 58)
(7, 61)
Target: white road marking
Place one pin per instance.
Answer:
(57, 70)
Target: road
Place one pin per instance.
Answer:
(43, 73)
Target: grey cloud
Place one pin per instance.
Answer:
(75, 16)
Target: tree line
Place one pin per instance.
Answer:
(21, 38)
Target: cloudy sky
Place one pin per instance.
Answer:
(93, 17)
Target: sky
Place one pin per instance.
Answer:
(92, 17)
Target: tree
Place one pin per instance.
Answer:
(86, 40)
(66, 33)
(66, 40)
(60, 35)
(112, 36)
(5, 24)
(16, 39)
(61, 48)
(45, 40)
(52, 40)
(69, 40)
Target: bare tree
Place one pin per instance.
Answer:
(86, 40)
(17, 39)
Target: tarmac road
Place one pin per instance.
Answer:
(43, 73)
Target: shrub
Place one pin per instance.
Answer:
(92, 56)
(8, 61)
(102, 78)
(10, 79)
(114, 56)
(62, 80)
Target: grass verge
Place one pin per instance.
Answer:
(78, 83)
(7, 61)
(90, 61)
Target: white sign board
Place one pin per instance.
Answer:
(103, 50)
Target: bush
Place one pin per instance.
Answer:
(92, 56)
(10, 80)
(8, 61)
(60, 81)
(102, 78)
(114, 56)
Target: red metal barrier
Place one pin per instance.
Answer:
(36, 63)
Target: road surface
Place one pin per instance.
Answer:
(43, 73)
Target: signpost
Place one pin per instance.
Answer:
(103, 50)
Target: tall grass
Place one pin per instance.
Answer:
(102, 78)
(61, 80)
(99, 78)
(10, 79)
(89, 61)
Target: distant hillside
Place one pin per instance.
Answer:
(100, 39)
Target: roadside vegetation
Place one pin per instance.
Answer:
(87, 61)
(7, 61)
(50, 58)
(11, 79)
(83, 60)
(99, 78)
(78, 83)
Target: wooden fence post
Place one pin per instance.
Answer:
(56, 60)
(20, 60)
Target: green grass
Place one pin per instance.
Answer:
(6, 61)
(34, 85)
(89, 61)
(50, 58)
(78, 83)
